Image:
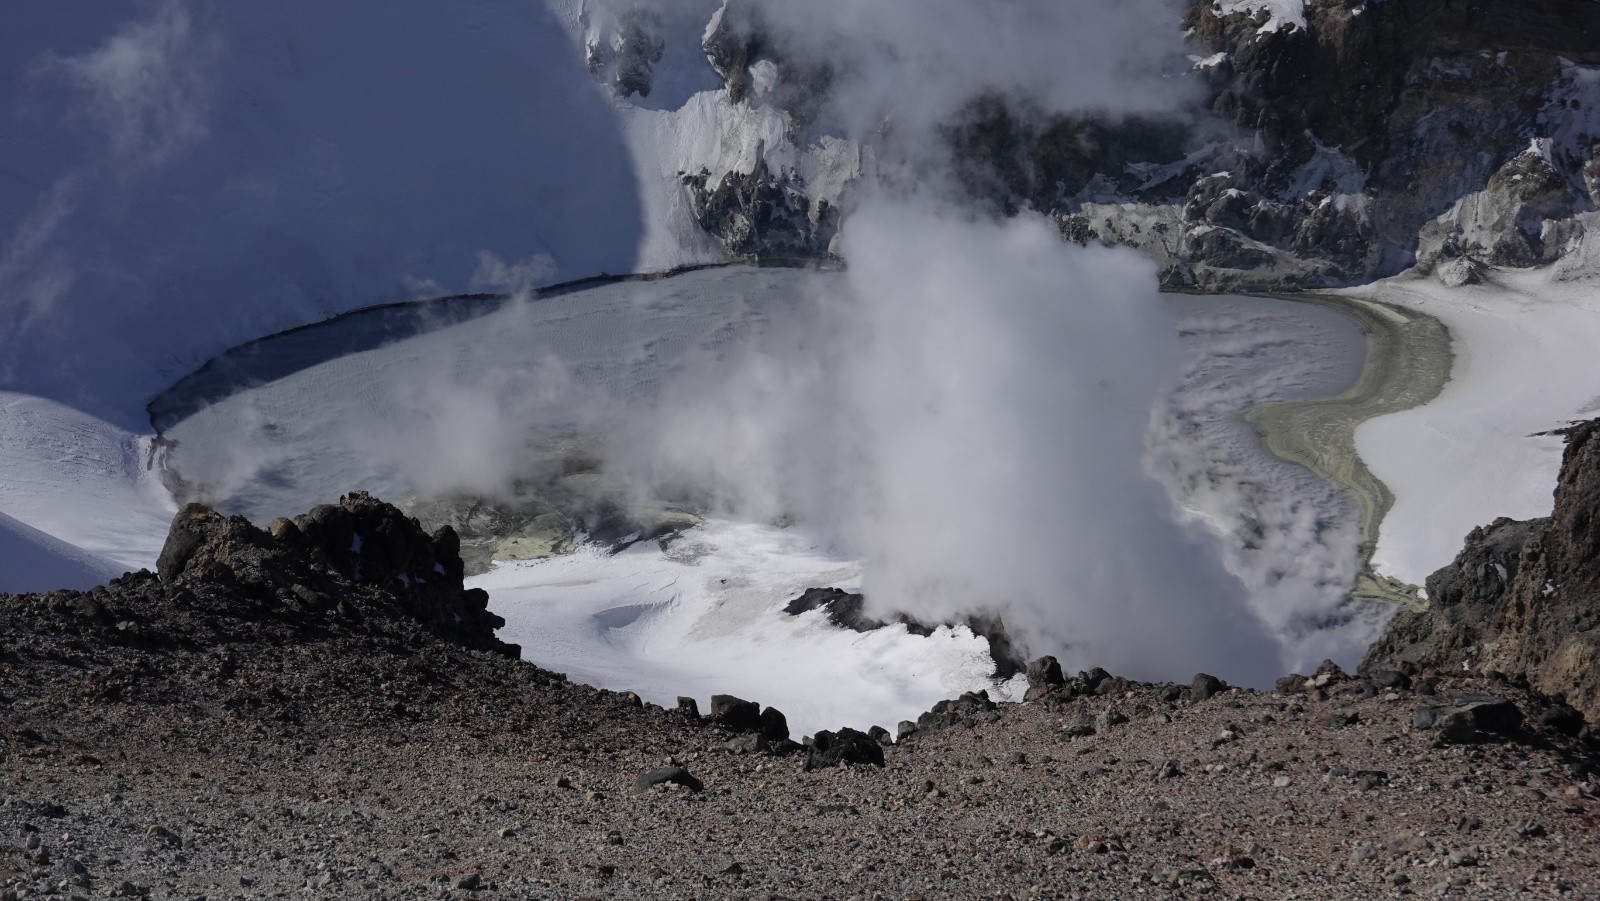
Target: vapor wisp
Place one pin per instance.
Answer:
(969, 417)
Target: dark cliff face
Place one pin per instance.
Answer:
(1322, 156)
(1522, 598)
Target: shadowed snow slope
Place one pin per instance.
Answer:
(81, 480)
(30, 560)
(181, 177)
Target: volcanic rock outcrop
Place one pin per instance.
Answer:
(1522, 598)
(356, 560)
(1445, 134)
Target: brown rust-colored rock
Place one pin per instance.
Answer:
(1522, 598)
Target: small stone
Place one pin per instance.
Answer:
(1391, 678)
(1462, 859)
(1527, 829)
(673, 775)
(1082, 728)
(563, 782)
(1281, 782)
(905, 730)
(1109, 717)
(469, 882)
(1169, 770)
(751, 743)
(508, 832)
(162, 833)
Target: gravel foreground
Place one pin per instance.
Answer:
(200, 736)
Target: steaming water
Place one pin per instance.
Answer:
(454, 405)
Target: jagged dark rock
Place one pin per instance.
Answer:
(1206, 685)
(774, 725)
(1522, 598)
(1044, 675)
(1461, 718)
(847, 610)
(1377, 136)
(967, 709)
(625, 59)
(737, 714)
(674, 775)
(847, 746)
(361, 559)
(763, 216)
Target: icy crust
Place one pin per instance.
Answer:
(1524, 345)
(707, 614)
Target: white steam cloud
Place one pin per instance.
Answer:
(146, 86)
(970, 416)
(970, 420)
(916, 62)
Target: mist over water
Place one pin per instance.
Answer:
(969, 418)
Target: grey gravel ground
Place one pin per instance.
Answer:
(215, 734)
(499, 781)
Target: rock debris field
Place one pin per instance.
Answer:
(280, 715)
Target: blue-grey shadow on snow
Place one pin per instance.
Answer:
(272, 165)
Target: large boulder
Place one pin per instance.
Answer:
(847, 746)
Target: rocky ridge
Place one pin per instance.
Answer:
(1522, 598)
(1453, 136)
(213, 732)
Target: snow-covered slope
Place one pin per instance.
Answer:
(180, 177)
(30, 560)
(1524, 344)
(82, 481)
